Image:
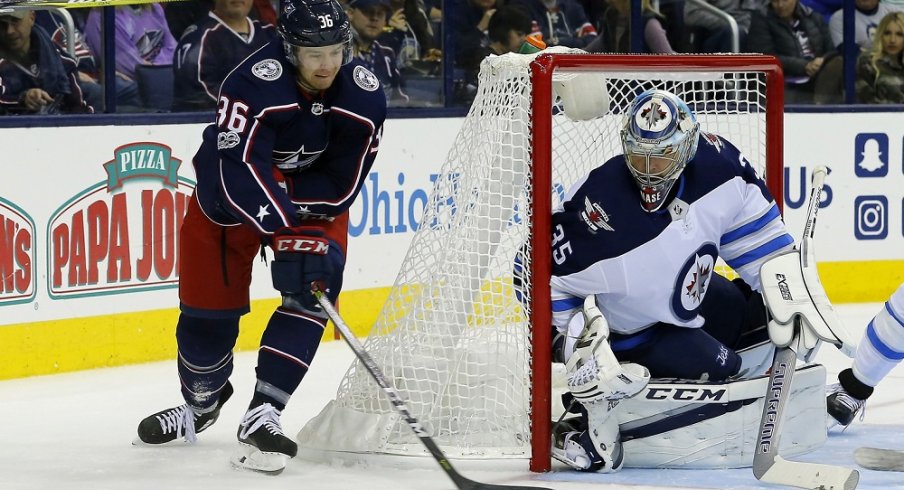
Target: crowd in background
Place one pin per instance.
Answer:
(171, 57)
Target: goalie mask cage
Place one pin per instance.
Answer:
(464, 338)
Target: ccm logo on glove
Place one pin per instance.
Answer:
(310, 245)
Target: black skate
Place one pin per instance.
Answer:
(180, 422)
(262, 445)
(841, 406)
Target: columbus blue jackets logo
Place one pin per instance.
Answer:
(268, 69)
(693, 281)
(366, 79)
(595, 217)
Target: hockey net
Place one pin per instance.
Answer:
(455, 335)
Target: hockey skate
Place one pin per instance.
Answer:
(842, 407)
(180, 422)
(262, 445)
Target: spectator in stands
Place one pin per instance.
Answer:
(800, 39)
(880, 70)
(471, 23)
(867, 14)
(616, 30)
(561, 22)
(181, 15)
(715, 33)
(142, 39)
(368, 19)
(825, 8)
(36, 76)
(88, 73)
(507, 29)
(410, 34)
(211, 48)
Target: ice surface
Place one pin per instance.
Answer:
(74, 432)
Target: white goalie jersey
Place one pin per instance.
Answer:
(645, 267)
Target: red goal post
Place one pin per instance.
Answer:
(542, 70)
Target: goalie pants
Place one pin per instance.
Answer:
(669, 351)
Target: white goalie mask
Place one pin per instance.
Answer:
(659, 137)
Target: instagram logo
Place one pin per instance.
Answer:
(871, 217)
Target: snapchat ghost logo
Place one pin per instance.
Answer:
(871, 155)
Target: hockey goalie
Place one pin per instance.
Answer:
(666, 361)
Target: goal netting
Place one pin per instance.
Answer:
(465, 332)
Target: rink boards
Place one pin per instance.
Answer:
(89, 228)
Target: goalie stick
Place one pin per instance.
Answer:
(873, 458)
(398, 403)
(768, 465)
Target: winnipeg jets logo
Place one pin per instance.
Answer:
(365, 79)
(698, 280)
(268, 69)
(692, 281)
(652, 116)
(595, 217)
(712, 140)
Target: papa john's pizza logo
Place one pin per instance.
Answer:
(17, 255)
(120, 235)
(692, 281)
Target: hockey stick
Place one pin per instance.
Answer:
(873, 458)
(37, 4)
(768, 465)
(398, 403)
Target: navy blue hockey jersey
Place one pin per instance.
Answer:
(269, 130)
(646, 268)
(207, 52)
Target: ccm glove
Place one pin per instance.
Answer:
(300, 263)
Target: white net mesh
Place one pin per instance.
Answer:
(453, 337)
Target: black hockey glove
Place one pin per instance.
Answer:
(300, 262)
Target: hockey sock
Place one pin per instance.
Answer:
(854, 386)
(205, 358)
(288, 346)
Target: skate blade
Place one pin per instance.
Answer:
(176, 442)
(250, 458)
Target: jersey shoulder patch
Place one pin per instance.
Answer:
(365, 78)
(267, 70)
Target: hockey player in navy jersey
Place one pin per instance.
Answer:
(210, 49)
(297, 131)
(635, 270)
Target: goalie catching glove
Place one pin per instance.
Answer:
(599, 382)
(300, 263)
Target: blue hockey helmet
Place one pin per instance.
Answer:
(313, 23)
(659, 138)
